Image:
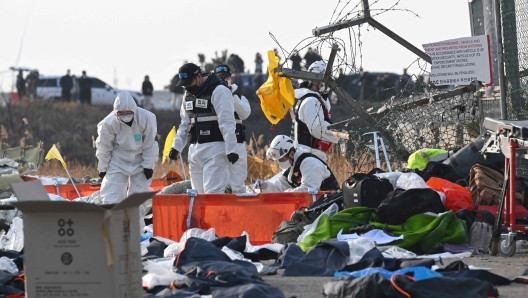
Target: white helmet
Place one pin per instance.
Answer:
(279, 147)
(317, 67)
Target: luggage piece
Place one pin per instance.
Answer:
(365, 190)
(290, 230)
(470, 155)
(323, 202)
(480, 236)
(402, 204)
(440, 170)
(485, 185)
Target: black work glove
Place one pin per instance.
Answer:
(224, 82)
(102, 175)
(173, 154)
(232, 157)
(148, 173)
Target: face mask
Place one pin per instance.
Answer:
(126, 118)
(323, 89)
(193, 89)
(284, 164)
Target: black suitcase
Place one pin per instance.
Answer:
(402, 204)
(365, 190)
(470, 155)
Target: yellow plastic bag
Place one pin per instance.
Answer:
(276, 94)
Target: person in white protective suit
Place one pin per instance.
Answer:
(208, 119)
(126, 150)
(302, 170)
(312, 115)
(238, 170)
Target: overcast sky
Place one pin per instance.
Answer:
(125, 40)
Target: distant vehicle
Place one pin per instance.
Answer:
(166, 100)
(48, 87)
(248, 86)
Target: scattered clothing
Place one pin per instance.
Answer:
(377, 235)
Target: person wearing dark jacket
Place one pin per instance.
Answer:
(85, 88)
(66, 84)
(21, 85)
(208, 118)
(146, 90)
(296, 60)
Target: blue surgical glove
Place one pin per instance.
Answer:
(260, 184)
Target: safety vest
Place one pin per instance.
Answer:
(419, 159)
(294, 176)
(204, 126)
(303, 136)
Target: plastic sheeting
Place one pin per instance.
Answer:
(418, 272)
(410, 180)
(160, 273)
(358, 248)
(14, 239)
(208, 235)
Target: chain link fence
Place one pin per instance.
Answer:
(455, 121)
(514, 15)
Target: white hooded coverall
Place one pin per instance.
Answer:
(124, 151)
(313, 173)
(208, 162)
(238, 171)
(311, 113)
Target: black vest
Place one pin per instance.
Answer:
(303, 134)
(204, 126)
(294, 180)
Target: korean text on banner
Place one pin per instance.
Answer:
(460, 61)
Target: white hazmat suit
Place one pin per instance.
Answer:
(313, 173)
(124, 151)
(238, 171)
(208, 163)
(311, 113)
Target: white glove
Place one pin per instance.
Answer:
(260, 184)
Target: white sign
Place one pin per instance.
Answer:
(460, 61)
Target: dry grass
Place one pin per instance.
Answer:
(78, 170)
(342, 167)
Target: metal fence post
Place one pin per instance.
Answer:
(511, 59)
(500, 60)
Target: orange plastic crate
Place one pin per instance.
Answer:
(230, 215)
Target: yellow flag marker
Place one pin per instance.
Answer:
(54, 153)
(168, 144)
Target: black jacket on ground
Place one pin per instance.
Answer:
(375, 285)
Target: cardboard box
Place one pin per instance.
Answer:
(75, 249)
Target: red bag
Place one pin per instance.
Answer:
(457, 197)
